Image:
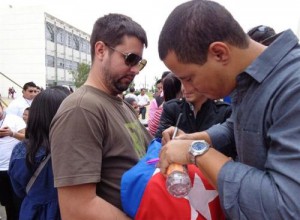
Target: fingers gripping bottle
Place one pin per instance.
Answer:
(178, 181)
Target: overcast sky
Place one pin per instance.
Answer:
(152, 14)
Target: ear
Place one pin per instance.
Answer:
(100, 49)
(219, 51)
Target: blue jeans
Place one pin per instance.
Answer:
(143, 112)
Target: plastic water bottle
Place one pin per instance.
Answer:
(178, 182)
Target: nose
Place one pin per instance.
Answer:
(135, 69)
(187, 86)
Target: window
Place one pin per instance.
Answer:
(49, 29)
(68, 64)
(75, 65)
(76, 42)
(85, 46)
(70, 42)
(60, 63)
(60, 36)
(49, 60)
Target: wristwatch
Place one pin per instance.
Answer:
(197, 148)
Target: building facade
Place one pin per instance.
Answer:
(36, 46)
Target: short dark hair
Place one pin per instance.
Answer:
(131, 89)
(164, 74)
(112, 28)
(42, 111)
(171, 87)
(29, 84)
(193, 26)
(261, 33)
(158, 81)
(130, 100)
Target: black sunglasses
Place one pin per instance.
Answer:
(131, 59)
(258, 29)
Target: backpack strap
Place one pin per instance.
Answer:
(36, 173)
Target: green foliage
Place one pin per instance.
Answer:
(132, 84)
(81, 74)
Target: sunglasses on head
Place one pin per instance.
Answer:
(131, 59)
(259, 29)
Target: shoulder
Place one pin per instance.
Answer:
(153, 101)
(83, 99)
(175, 103)
(14, 120)
(13, 103)
(221, 103)
(14, 117)
(219, 106)
(19, 151)
(146, 97)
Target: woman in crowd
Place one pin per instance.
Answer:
(40, 201)
(171, 90)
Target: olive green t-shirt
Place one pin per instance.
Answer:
(95, 138)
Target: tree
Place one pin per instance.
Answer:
(80, 75)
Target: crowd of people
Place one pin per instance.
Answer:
(63, 154)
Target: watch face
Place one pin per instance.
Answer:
(198, 146)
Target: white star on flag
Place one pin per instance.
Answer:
(200, 197)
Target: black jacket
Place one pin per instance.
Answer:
(211, 113)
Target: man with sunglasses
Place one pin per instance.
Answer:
(213, 54)
(95, 135)
(17, 106)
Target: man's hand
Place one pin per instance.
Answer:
(175, 151)
(5, 131)
(168, 134)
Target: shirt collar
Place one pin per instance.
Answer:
(267, 61)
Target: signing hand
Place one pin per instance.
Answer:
(175, 151)
(168, 134)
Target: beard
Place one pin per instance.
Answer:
(114, 84)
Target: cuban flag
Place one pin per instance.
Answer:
(144, 194)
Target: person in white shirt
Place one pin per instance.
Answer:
(17, 106)
(131, 94)
(12, 130)
(143, 101)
